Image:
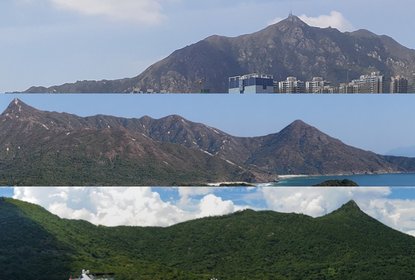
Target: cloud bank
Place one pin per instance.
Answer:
(147, 12)
(122, 206)
(335, 19)
(316, 202)
(146, 207)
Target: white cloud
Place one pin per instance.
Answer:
(335, 19)
(145, 207)
(122, 206)
(186, 193)
(212, 205)
(398, 214)
(137, 11)
(316, 202)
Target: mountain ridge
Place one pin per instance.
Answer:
(167, 151)
(287, 48)
(345, 244)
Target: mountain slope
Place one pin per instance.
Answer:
(49, 148)
(287, 48)
(346, 244)
(303, 149)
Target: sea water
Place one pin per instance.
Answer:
(390, 180)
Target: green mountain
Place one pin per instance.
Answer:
(288, 48)
(346, 244)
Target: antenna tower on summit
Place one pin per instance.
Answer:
(291, 16)
(291, 9)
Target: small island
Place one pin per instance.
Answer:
(337, 183)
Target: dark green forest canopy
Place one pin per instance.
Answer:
(346, 244)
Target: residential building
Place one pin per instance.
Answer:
(251, 83)
(399, 84)
(373, 83)
(346, 88)
(317, 85)
(260, 83)
(291, 85)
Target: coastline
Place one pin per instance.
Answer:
(231, 184)
(287, 178)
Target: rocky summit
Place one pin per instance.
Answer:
(287, 48)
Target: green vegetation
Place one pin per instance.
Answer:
(346, 244)
(78, 166)
(337, 183)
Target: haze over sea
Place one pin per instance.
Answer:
(367, 180)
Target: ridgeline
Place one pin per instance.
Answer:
(346, 244)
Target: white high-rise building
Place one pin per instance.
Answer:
(317, 85)
(291, 85)
(373, 83)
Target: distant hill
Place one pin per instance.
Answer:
(338, 183)
(403, 151)
(288, 48)
(49, 148)
(346, 244)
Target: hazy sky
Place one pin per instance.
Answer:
(379, 123)
(47, 42)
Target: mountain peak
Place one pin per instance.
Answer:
(298, 125)
(363, 33)
(174, 118)
(17, 108)
(350, 207)
(292, 21)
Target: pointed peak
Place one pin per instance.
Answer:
(293, 17)
(299, 128)
(299, 124)
(293, 21)
(16, 102)
(349, 207)
(17, 106)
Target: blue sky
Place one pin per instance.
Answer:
(372, 122)
(143, 206)
(48, 42)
